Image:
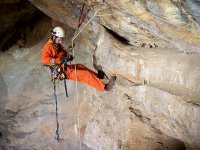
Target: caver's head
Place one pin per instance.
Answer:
(57, 34)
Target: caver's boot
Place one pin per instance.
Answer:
(110, 83)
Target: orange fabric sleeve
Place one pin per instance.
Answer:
(48, 53)
(51, 51)
(58, 56)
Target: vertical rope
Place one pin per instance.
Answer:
(57, 123)
(65, 84)
(76, 35)
(77, 98)
(77, 105)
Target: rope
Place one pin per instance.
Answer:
(107, 14)
(57, 127)
(81, 19)
(77, 106)
(74, 37)
(65, 84)
(82, 16)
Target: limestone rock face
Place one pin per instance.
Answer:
(152, 46)
(155, 86)
(149, 23)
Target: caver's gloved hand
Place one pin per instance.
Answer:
(66, 59)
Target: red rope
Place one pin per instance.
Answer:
(82, 15)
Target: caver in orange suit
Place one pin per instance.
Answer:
(55, 51)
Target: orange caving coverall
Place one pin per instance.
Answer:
(55, 51)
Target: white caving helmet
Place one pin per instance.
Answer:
(59, 32)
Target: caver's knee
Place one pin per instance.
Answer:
(82, 75)
(86, 73)
(80, 66)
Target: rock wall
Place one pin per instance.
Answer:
(153, 48)
(143, 23)
(156, 81)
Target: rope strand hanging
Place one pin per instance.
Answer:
(57, 123)
(77, 32)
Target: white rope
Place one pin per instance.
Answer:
(77, 106)
(76, 35)
(77, 98)
(107, 14)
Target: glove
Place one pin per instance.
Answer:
(70, 57)
(64, 60)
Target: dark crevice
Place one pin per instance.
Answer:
(117, 36)
(15, 24)
(139, 115)
(1, 135)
